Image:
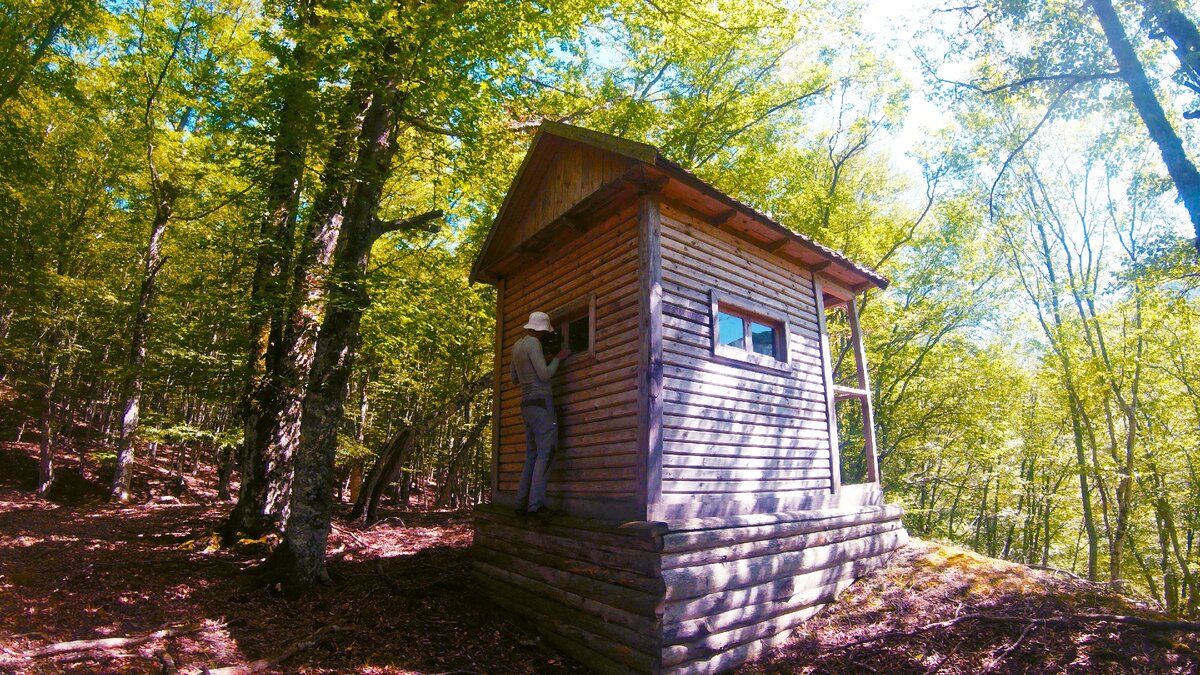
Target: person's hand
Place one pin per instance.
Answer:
(563, 353)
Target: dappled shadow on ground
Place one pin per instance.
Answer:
(926, 583)
(402, 598)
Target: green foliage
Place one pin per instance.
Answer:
(976, 384)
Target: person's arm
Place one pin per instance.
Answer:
(512, 369)
(544, 370)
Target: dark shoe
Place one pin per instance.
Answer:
(542, 515)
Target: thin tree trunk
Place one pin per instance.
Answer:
(1181, 169)
(47, 429)
(455, 469)
(225, 472)
(390, 466)
(54, 27)
(165, 196)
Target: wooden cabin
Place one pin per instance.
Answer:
(699, 473)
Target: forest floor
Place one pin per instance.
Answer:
(75, 568)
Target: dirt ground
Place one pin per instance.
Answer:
(73, 567)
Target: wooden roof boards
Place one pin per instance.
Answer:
(572, 176)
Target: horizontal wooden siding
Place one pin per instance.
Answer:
(596, 394)
(734, 431)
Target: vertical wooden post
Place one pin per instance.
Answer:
(497, 383)
(860, 361)
(650, 358)
(835, 454)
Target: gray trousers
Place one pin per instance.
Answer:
(541, 437)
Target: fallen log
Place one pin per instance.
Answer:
(110, 643)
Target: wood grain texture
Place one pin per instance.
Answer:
(688, 596)
(650, 362)
(595, 395)
(726, 410)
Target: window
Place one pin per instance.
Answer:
(576, 334)
(746, 332)
(577, 322)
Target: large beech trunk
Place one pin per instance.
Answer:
(298, 345)
(268, 294)
(301, 557)
(165, 196)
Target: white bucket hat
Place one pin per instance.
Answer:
(539, 321)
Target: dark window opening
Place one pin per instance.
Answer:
(576, 323)
(578, 332)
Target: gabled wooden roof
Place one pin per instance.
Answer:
(627, 168)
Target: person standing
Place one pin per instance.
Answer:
(530, 370)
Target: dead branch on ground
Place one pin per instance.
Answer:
(263, 664)
(110, 643)
(1140, 621)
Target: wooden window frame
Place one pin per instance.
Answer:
(748, 310)
(562, 316)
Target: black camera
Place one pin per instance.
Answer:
(552, 343)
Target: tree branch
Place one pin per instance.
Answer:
(1071, 79)
(263, 664)
(422, 222)
(110, 643)
(417, 123)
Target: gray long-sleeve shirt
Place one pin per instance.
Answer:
(529, 367)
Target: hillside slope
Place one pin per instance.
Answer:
(940, 609)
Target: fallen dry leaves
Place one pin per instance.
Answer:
(403, 600)
(902, 619)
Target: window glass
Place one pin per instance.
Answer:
(762, 339)
(747, 334)
(731, 330)
(578, 331)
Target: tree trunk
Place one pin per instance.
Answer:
(399, 448)
(225, 472)
(301, 556)
(309, 291)
(54, 27)
(47, 428)
(1181, 169)
(1182, 32)
(268, 293)
(459, 461)
(354, 483)
(165, 197)
(390, 463)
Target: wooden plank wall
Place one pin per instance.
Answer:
(593, 591)
(735, 587)
(690, 596)
(573, 172)
(593, 472)
(737, 439)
